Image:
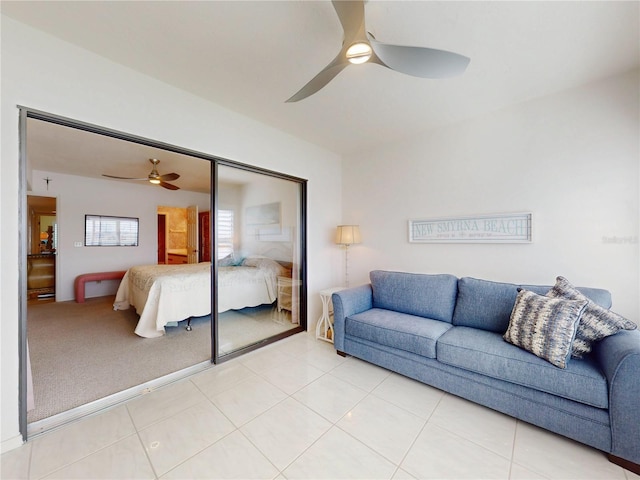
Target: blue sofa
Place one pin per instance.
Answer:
(448, 333)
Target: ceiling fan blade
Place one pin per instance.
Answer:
(320, 80)
(169, 177)
(419, 61)
(168, 186)
(351, 15)
(123, 178)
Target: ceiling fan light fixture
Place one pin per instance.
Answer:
(154, 177)
(359, 53)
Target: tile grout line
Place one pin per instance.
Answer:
(146, 453)
(291, 396)
(404, 457)
(62, 467)
(527, 467)
(158, 420)
(206, 399)
(513, 447)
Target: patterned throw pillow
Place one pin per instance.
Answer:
(596, 323)
(545, 326)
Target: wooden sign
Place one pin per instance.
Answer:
(501, 228)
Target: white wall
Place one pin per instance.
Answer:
(42, 72)
(572, 159)
(267, 190)
(78, 196)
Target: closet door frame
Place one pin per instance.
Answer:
(216, 355)
(26, 113)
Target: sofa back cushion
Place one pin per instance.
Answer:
(598, 295)
(429, 296)
(487, 305)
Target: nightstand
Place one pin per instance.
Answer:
(324, 328)
(285, 293)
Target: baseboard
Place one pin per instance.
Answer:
(11, 443)
(626, 464)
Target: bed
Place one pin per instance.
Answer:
(164, 294)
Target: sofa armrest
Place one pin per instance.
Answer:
(345, 303)
(619, 358)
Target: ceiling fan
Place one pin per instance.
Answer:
(359, 46)
(154, 177)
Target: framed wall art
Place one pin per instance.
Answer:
(266, 215)
(498, 228)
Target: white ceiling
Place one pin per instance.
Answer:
(56, 148)
(250, 56)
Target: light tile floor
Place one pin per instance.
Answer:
(296, 410)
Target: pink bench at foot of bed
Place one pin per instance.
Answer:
(93, 277)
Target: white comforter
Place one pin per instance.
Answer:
(162, 294)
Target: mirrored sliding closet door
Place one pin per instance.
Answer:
(258, 250)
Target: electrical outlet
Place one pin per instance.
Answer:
(77, 244)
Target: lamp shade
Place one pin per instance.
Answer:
(348, 234)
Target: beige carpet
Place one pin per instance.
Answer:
(84, 352)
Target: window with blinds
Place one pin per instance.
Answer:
(106, 231)
(225, 233)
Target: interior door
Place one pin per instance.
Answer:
(192, 234)
(41, 255)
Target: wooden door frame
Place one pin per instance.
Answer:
(193, 247)
(158, 214)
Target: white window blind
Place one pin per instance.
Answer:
(105, 231)
(225, 233)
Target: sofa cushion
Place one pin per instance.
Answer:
(545, 326)
(487, 353)
(600, 296)
(596, 322)
(397, 330)
(484, 304)
(487, 305)
(430, 296)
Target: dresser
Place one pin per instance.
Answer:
(41, 275)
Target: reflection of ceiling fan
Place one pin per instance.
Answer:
(359, 46)
(154, 177)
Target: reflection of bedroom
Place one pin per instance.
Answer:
(257, 210)
(81, 349)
